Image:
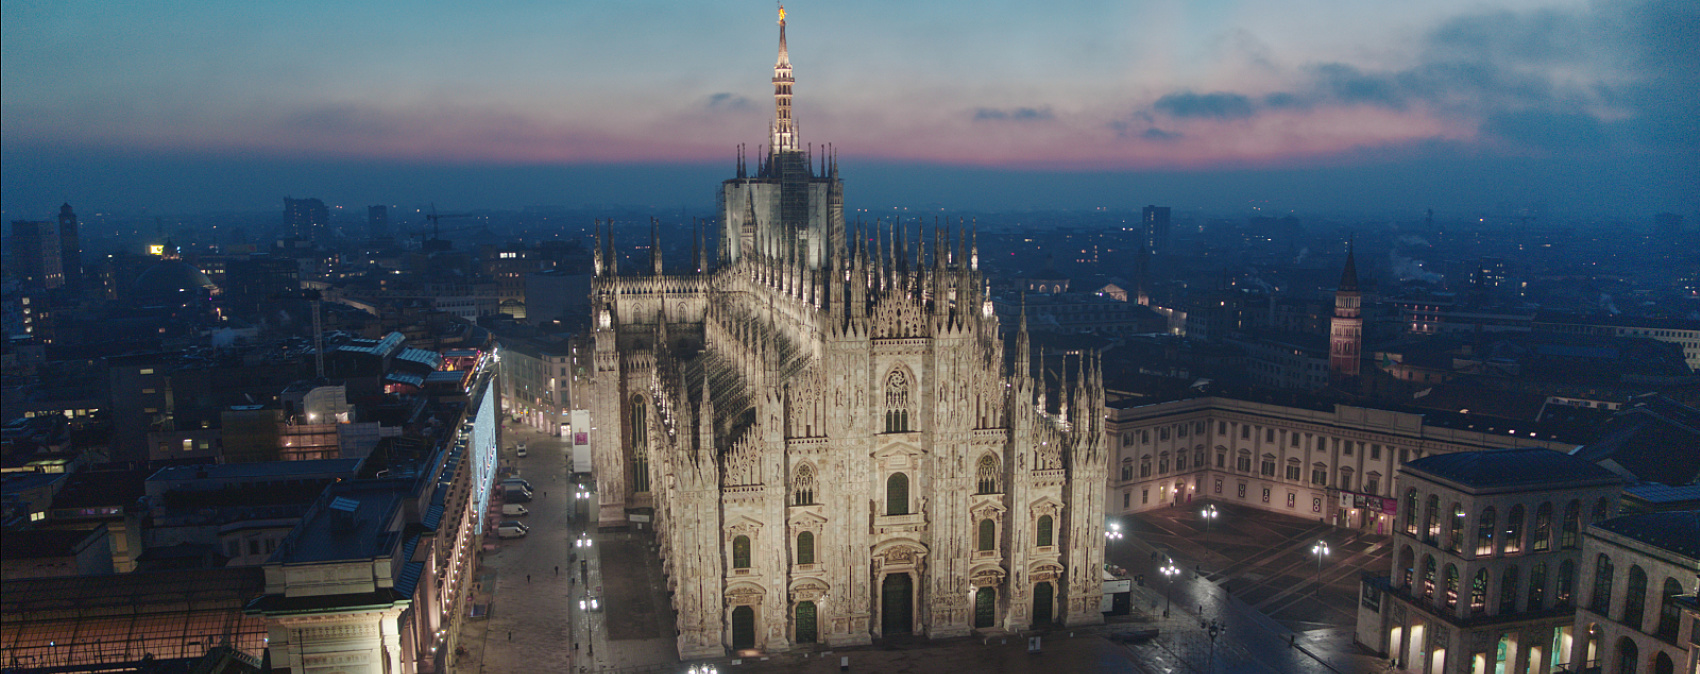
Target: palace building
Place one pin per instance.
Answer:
(827, 432)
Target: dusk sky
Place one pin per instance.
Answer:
(1388, 107)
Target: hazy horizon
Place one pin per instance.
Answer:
(1581, 108)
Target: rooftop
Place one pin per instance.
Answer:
(44, 543)
(1678, 532)
(350, 521)
(1523, 467)
(241, 471)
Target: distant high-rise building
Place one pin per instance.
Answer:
(35, 255)
(1346, 330)
(1156, 230)
(70, 249)
(1489, 278)
(305, 219)
(378, 222)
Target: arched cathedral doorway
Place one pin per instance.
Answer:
(985, 607)
(743, 628)
(1042, 600)
(897, 606)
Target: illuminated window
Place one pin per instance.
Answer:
(1485, 528)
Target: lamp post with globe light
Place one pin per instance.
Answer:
(1169, 571)
(1209, 514)
(581, 496)
(1214, 628)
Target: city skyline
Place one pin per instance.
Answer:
(1576, 106)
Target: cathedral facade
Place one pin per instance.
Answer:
(825, 424)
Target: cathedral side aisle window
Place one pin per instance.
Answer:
(897, 494)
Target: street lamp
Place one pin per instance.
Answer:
(1169, 571)
(1114, 533)
(1214, 628)
(1209, 514)
(1320, 550)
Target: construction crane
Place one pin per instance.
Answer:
(436, 243)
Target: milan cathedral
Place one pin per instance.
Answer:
(829, 433)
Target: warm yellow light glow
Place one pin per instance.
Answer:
(782, 13)
(159, 249)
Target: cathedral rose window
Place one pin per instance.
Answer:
(896, 402)
(986, 475)
(803, 486)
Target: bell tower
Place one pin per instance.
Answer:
(1346, 329)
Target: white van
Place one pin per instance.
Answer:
(512, 530)
(514, 509)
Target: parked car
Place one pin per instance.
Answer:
(513, 493)
(512, 529)
(514, 509)
(514, 481)
(520, 452)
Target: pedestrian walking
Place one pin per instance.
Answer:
(557, 570)
(510, 635)
(528, 578)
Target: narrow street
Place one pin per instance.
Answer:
(535, 584)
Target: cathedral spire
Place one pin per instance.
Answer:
(1023, 348)
(697, 259)
(1349, 275)
(784, 129)
(655, 245)
(598, 254)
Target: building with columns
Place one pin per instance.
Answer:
(1640, 571)
(827, 431)
(1297, 456)
(1487, 562)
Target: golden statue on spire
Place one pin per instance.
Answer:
(781, 13)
